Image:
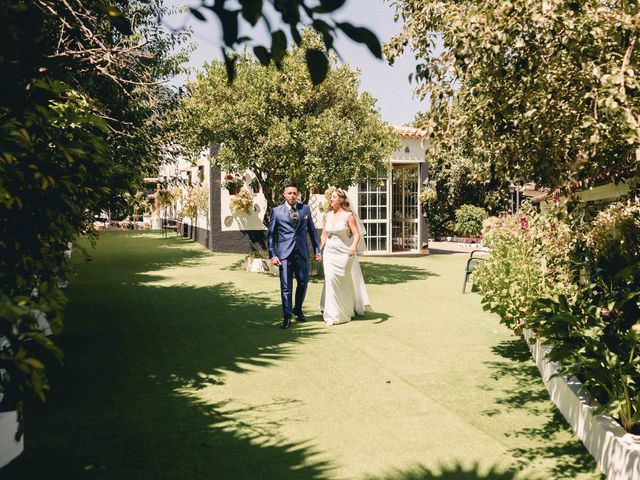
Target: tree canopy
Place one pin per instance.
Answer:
(545, 91)
(276, 123)
(81, 109)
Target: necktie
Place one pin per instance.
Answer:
(293, 215)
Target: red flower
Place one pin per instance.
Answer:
(524, 224)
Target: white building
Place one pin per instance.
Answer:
(387, 205)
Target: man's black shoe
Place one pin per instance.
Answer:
(301, 317)
(286, 323)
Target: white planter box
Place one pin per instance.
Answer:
(9, 447)
(616, 451)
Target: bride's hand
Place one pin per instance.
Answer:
(351, 251)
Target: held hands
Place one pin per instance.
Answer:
(275, 261)
(318, 257)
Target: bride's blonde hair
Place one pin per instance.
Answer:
(344, 200)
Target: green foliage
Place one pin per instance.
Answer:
(577, 286)
(428, 195)
(295, 14)
(275, 123)
(523, 89)
(79, 104)
(530, 259)
(596, 335)
(469, 220)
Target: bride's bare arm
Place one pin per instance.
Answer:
(355, 234)
(323, 235)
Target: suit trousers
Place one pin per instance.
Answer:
(295, 265)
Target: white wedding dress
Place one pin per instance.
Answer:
(344, 293)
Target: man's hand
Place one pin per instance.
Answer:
(275, 261)
(318, 257)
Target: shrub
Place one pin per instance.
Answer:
(596, 334)
(530, 259)
(469, 220)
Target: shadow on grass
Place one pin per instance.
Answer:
(449, 472)
(558, 439)
(390, 274)
(125, 404)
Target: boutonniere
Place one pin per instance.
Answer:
(306, 216)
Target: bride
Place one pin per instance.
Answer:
(344, 293)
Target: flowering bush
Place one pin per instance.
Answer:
(577, 286)
(613, 239)
(595, 335)
(233, 181)
(242, 203)
(530, 259)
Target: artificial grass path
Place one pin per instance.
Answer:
(175, 368)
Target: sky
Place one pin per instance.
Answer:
(388, 84)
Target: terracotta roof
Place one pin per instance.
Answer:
(409, 132)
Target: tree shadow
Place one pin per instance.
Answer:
(455, 471)
(391, 274)
(126, 403)
(530, 394)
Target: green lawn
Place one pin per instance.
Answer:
(175, 368)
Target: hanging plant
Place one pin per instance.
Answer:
(242, 203)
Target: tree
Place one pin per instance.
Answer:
(541, 90)
(79, 109)
(276, 123)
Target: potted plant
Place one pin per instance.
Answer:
(242, 203)
(255, 185)
(24, 351)
(233, 182)
(258, 261)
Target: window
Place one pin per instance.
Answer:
(201, 173)
(372, 209)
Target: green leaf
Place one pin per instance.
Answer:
(262, 54)
(251, 10)
(230, 66)
(196, 13)
(229, 22)
(117, 19)
(317, 64)
(362, 35)
(278, 46)
(328, 6)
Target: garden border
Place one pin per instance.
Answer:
(616, 451)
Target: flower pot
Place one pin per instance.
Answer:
(255, 188)
(257, 265)
(233, 191)
(10, 448)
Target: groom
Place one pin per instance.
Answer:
(291, 222)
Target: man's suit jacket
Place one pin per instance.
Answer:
(288, 236)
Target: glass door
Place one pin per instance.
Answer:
(372, 208)
(404, 205)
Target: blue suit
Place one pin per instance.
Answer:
(293, 252)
